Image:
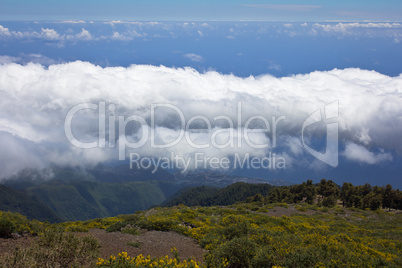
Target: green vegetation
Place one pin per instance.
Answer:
(73, 195)
(210, 196)
(82, 200)
(314, 229)
(7, 227)
(244, 238)
(16, 223)
(135, 244)
(16, 201)
(54, 248)
(123, 260)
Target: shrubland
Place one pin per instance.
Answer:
(313, 231)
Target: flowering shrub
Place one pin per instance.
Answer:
(238, 236)
(125, 261)
(332, 239)
(11, 222)
(85, 226)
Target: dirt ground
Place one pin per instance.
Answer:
(153, 243)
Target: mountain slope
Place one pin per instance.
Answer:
(31, 207)
(82, 200)
(209, 196)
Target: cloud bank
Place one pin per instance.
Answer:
(47, 34)
(132, 30)
(35, 101)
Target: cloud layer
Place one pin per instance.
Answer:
(73, 31)
(36, 100)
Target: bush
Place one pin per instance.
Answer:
(301, 208)
(339, 211)
(236, 230)
(302, 258)
(263, 259)
(132, 231)
(158, 224)
(132, 218)
(6, 228)
(329, 201)
(117, 227)
(238, 252)
(19, 224)
(324, 209)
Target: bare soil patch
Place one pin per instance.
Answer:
(153, 243)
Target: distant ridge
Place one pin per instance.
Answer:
(212, 196)
(73, 193)
(16, 201)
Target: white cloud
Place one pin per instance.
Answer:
(193, 57)
(28, 58)
(50, 34)
(35, 101)
(8, 59)
(118, 36)
(360, 29)
(47, 34)
(363, 136)
(72, 21)
(84, 35)
(340, 27)
(4, 31)
(360, 154)
(17, 156)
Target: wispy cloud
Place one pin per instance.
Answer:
(274, 66)
(361, 154)
(29, 58)
(72, 21)
(193, 57)
(296, 8)
(46, 34)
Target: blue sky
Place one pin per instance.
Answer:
(390, 10)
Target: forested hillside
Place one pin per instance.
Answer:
(31, 207)
(83, 200)
(209, 196)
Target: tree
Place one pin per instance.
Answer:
(309, 192)
(398, 200)
(388, 198)
(372, 200)
(327, 188)
(347, 194)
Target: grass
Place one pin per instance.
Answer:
(135, 244)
